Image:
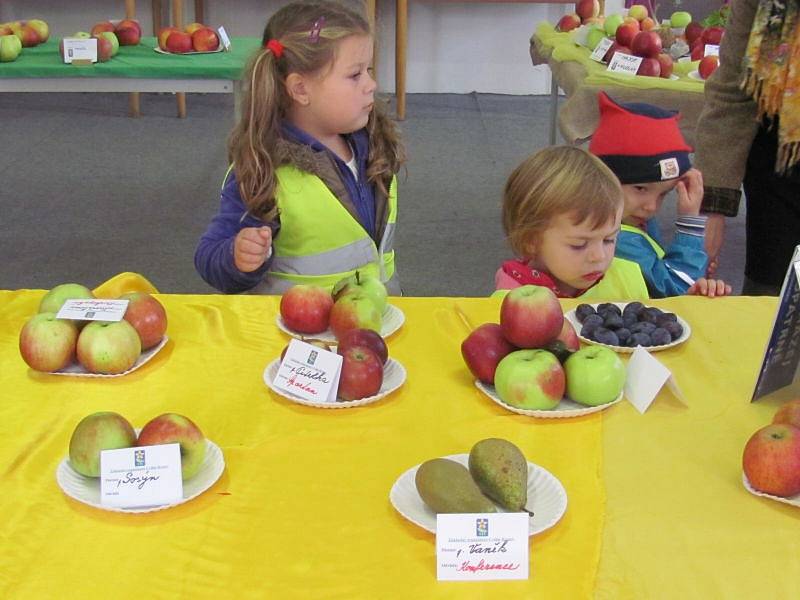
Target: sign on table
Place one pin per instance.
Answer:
(141, 476)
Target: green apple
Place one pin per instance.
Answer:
(611, 23)
(10, 47)
(638, 12)
(108, 347)
(680, 19)
(530, 379)
(95, 433)
(52, 300)
(112, 37)
(595, 376)
(594, 37)
(85, 35)
(355, 310)
(369, 285)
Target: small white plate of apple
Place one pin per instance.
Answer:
(564, 409)
(77, 370)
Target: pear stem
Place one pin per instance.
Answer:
(530, 512)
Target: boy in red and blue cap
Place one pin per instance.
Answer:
(643, 146)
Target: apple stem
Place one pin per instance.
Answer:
(358, 278)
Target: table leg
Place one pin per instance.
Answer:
(133, 97)
(553, 107)
(177, 21)
(156, 10)
(401, 42)
(199, 11)
(371, 19)
(237, 101)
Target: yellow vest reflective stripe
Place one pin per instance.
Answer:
(320, 242)
(622, 282)
(656, 246)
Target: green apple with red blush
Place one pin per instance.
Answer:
(530, 380)
(355, 310)
(95, 433)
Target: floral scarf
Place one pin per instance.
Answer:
(772, 73)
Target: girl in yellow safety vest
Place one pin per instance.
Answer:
(562, 209)
(311, 195)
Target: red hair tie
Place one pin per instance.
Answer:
(275, 47)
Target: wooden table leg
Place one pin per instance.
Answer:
(133, 97)
(199, 11)
(401, 43)
(156, 10)
(177, 21)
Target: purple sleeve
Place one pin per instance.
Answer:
(213, 258)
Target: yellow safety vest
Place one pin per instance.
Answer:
(656, 246)
(320, 242)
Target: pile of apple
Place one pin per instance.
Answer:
(49, 344)
(771, 458)
(111, 431)
(533, 356)
(697, 37)
(16, 35)
(110, 37)
(195, 37)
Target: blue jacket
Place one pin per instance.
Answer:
(685, 256)
(213, 257)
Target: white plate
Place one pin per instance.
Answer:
(793, 500)
(77, 370)
(687, 331)
(87, 489)
(160, 51)
(393, 319)
(394, 375)
(565, 409)
(695, 75)
(546, 498)
(674, 77)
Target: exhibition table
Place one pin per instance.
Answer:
(656, 505)
(582, 79)
(134, 69)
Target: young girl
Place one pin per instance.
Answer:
(311, 194)
(561, 212)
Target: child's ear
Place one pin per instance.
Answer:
(530, 249)
(297, 88)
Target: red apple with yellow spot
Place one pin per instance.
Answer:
(172, 428)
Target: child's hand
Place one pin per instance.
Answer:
(690, 193)
(709, 287)
(251, 248)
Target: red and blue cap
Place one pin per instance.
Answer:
(640, 143)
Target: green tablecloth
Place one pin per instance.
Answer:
(138, 62)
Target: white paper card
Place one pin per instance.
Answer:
(223, 36)
(93, 310)
(141, 476)
(645, 378)
(711, 50)
(80, 49)
(624, 63)
(600, 50)
(309, 372)
(480, 547)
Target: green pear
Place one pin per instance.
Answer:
(501, 472)
(446, 487)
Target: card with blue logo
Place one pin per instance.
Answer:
(309, 372)
(141, 476)
(93, 309)
(481, 547)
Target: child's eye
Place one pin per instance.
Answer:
(578, 246)
(640, 188)
(355, 75)
(612, 240)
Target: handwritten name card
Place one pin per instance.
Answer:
(141, 476)
(310, 372)
(481, 547)
(93, 310)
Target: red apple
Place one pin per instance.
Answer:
(632, 21)
(47, 343)
(366, 338)
(171, 428)
(108, 347)
(646, 44)
(530, 379)
(132, 23)
(101, 27)
(707, 66)
(649, 67)
(128, 32)
(693, 31)
(531, 316)
(713, 35)
(205, 40)
(698, 50)
(615, 47)
(305, 308)
(789, 413)
(42, 29)
(356, 310)
(163, 34)
(147, 316)
(95, 433)
(569, 337)
(29, 37)
(568, 22)
(361, 375)
(586, 9)
(179, 42)
(625, 34)
(771, 460)
(483, 349)
(667, 65)
(105, 49)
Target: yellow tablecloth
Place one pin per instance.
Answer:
(302, 509)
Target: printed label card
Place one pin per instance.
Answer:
(624, 63)
(600, 50)
(711, 50)
(141, 476)
(309, 372)
(481, 547)
(645, 378)
(223, 37)
(93, 309)
(80, 50)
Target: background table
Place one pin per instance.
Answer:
(582, 79)
(134, 69)
(656, 505)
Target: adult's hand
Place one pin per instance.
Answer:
(715, 235)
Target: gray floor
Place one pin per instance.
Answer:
(86, 192)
